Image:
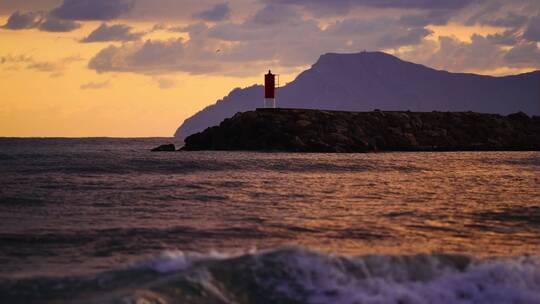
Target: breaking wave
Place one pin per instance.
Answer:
(294, 275)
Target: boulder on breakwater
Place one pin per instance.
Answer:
(303, 130)
(165, 148)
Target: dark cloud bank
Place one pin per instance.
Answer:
(30, 20)
(117, 32)
(287, 34)
(92, 9)
(219, 12)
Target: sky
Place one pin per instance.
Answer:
(138, 68)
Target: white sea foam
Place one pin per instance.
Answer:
(495, 281)
(312, 277)
(177, 260)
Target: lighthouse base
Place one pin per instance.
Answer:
(270, 103)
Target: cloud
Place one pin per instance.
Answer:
(243, 53)
(9, 6)
(434, 17)
(159, 27)
(30, 20)
(45, 66)
(219, 12)
(55, 68)
(408, 36)
(482, 53)
(409, 4)
(509, 37)
(378, 33)
(272, 14)
(248, 47)
(92, 9)
(57, 25)
(95, 85)
(532, 32)
(117, 32)
(281, 35)
(340, 7)
(499, 13)
(511, 19)
(182, 12)
(479, 54)
(524, 55)
(154, 56)
(166, 83)
(20, 21)
(14, 62)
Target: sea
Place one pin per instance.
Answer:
(101, 220)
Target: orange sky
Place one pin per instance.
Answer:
(52, 103)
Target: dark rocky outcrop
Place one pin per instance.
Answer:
(300, 130)
(165, 148)
(374, 80)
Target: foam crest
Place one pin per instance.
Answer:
(177, 260)
(414, 279)
(298, 275)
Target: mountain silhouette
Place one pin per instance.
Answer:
(375, 80)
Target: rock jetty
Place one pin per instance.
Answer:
(165, 148)
(303, 130)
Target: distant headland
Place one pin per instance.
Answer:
(375, 80)
(303, 130)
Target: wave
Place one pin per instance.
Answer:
(294, 275)
(122, 162)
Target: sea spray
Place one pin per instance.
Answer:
(296, 275)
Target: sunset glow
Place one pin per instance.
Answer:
(50, 87)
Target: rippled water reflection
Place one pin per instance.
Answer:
(78, 206)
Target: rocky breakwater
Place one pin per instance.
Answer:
(302, 130)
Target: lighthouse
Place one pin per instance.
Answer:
(270, 90)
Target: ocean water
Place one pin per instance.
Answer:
(107, 221)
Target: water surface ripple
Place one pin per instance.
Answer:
(88, 206)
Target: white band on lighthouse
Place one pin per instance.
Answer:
(270, 103)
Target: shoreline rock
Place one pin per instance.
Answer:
(165, 148)
(302, 130)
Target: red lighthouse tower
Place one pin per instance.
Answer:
(270, 90)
